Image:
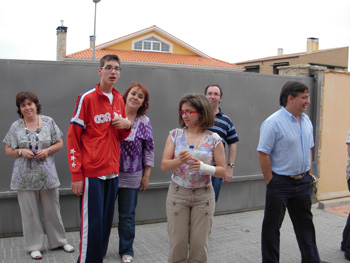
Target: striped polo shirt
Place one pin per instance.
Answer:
(224, 127)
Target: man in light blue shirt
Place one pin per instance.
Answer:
(286, 139)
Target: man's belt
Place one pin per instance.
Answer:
(297, 177)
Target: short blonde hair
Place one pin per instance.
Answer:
(202, 105)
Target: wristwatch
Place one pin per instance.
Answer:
(20, 152)
(231, 165)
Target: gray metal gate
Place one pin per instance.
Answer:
(248, 99)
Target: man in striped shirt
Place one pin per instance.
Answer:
(224, 127)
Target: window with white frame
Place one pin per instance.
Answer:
(152, 44)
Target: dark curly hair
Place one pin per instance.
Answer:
(22, 96)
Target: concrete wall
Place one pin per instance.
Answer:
(331, 123)
(248, 99)
(335, 122)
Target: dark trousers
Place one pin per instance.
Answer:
(97, 212)
(216, 182)
(284, 192)
(127, 202)
(345, 244)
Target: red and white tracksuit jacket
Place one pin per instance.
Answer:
(93, 143)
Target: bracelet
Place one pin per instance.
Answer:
(49, 151)
(19, 152)
(231, 165)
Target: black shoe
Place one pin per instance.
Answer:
(347, 255)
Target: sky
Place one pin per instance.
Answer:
(229, 30)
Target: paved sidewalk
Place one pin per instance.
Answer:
(234, 238)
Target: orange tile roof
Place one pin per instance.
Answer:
(154, 57)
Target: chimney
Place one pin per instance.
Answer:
(61, 41)
(312, 45)
(280, 52)
(91, 42)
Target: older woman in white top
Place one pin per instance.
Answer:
(32, 140)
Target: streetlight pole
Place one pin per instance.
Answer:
(93, 48)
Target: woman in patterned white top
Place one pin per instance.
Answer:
(136, 160)
(32, 140)
(190, 201)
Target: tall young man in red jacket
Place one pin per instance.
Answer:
(98, 125)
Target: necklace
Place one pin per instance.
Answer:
(37, 131)
(200, 138)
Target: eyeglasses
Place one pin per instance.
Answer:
(110, 68)
(187, 112)
(306, 98)
(209, 94)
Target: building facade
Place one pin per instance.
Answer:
(332, 59)
(153, 46)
